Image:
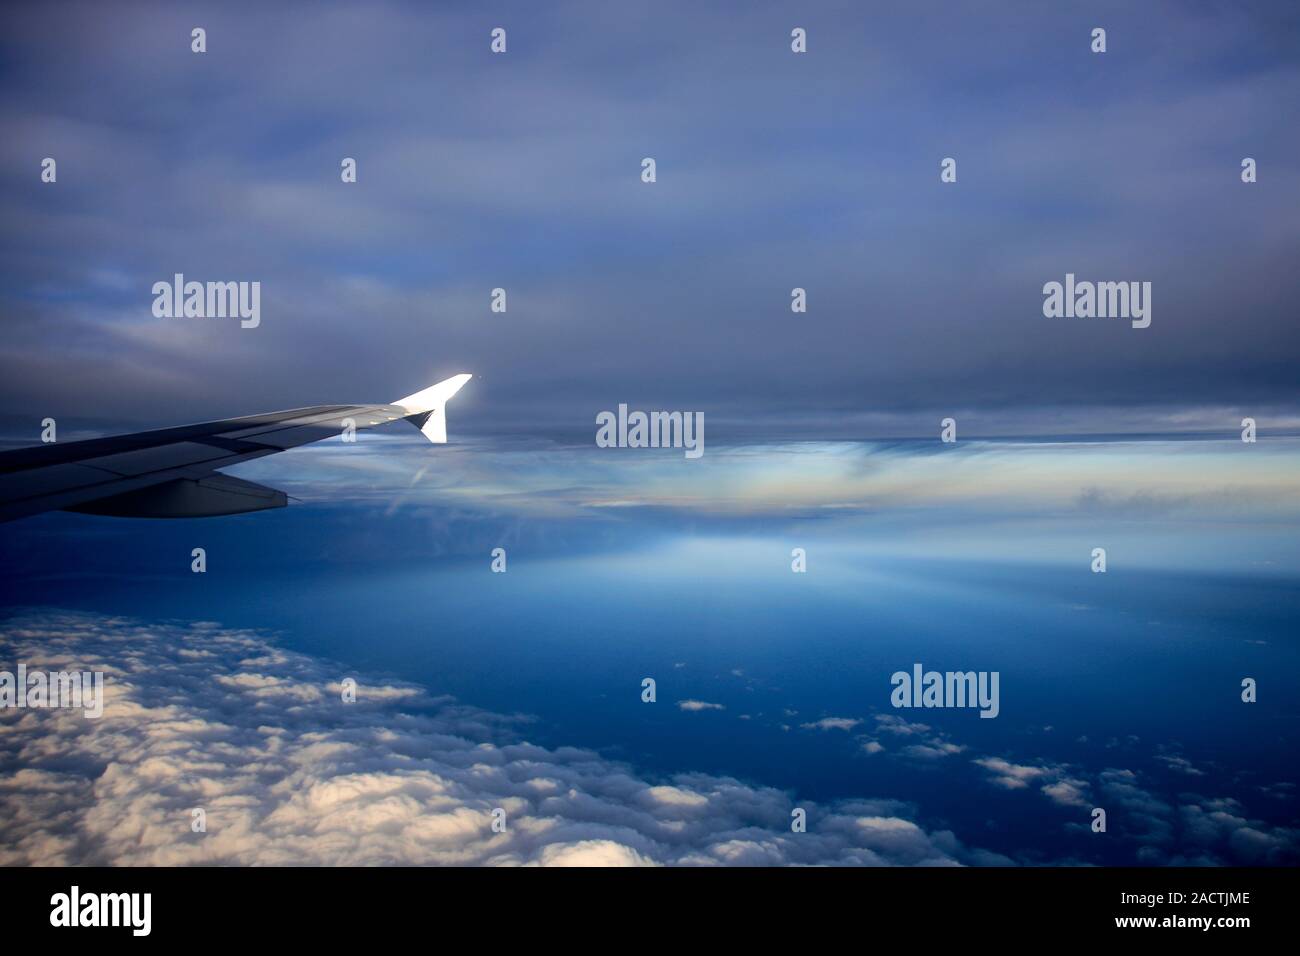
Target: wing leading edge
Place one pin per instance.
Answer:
(172, 472)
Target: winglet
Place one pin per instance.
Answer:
(427, 409)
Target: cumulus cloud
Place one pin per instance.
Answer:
(202, 716)
(832, 723)
(1181, 830)
(893, 724)
(1181, 764)
(1054, 781)
(928, 744)
(698, 705)
(1068, 792)
(934, 750)
(1222, 827)
(1012, 776)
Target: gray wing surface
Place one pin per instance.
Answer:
(173, 472)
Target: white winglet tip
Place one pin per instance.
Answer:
(427, 409)
(434, 396)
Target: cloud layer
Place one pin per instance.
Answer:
(200, 716)
(775, 170)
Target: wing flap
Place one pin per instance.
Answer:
(48, 481)
(217, 494)
(132, 464)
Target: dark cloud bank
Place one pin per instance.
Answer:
(775, 171)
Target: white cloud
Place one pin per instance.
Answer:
(832, 723)
(931, 744)
(893, 724)
(592, 853)
(933, 750)
(1012, 776)
(204, 716)
(1181, 764)
(1069, 792)
(698, 705)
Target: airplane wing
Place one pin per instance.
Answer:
(172, 472)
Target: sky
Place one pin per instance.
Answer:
(523, 690)
(774, 171)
